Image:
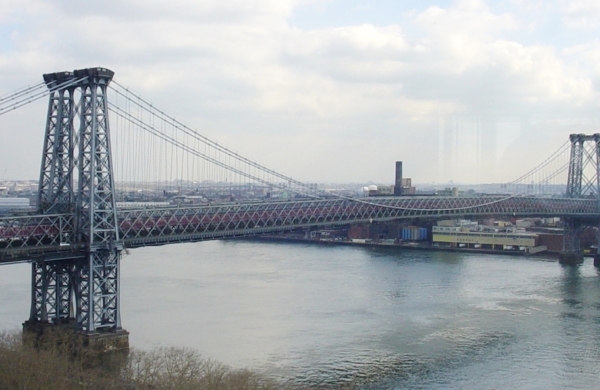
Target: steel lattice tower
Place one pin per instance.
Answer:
(76, 177)
(583, 182)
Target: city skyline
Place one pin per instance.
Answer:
(327, 91)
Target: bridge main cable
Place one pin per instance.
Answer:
(31, 94)
(152, 110)
(143, 125)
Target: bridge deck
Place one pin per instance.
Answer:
(24, 238)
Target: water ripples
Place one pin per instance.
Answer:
(336, 317)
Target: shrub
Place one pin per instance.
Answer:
(54, 364)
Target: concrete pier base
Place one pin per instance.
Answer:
(570, 258)
(64, 334)
(103, 342)
(39, 334)
(597, 261)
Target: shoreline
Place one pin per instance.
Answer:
(411, 246)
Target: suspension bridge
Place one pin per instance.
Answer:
(76, 238)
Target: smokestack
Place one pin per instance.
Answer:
(398, 185)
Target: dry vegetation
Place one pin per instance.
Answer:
(56, 366)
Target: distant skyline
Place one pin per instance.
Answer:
(466, 91)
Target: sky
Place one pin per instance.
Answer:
(465, 91)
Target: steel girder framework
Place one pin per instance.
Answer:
(55, 193)
(156, 226)
(97, 285)
(75, 247)
(52, 285)
(52, 282)
(583, 182)
(35, 236)
(49, 236)
(584, 166)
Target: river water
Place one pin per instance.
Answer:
(325, 316)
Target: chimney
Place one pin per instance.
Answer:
(398, 185)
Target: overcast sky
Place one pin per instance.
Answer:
(469, 91)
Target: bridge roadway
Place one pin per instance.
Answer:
(26, 238)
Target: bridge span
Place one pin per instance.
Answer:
(52, 237)
(75, 239)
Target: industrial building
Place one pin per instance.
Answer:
(469, 234)
(455, 238)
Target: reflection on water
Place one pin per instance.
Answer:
(324, 316)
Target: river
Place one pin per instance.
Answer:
(323, 316)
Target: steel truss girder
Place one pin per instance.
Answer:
(152, 226)
(52, 288)
(22, 238)
(26, 237)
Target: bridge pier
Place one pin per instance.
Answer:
(583, 181)
(78, 294)
(106, 350)
(103, 342)
(571, 257)
(65, 335)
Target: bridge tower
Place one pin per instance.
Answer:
(583, 182)
(80, 289)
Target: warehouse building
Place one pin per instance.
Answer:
(454, 237)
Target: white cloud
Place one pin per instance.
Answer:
(581, 14)
(240, 73)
